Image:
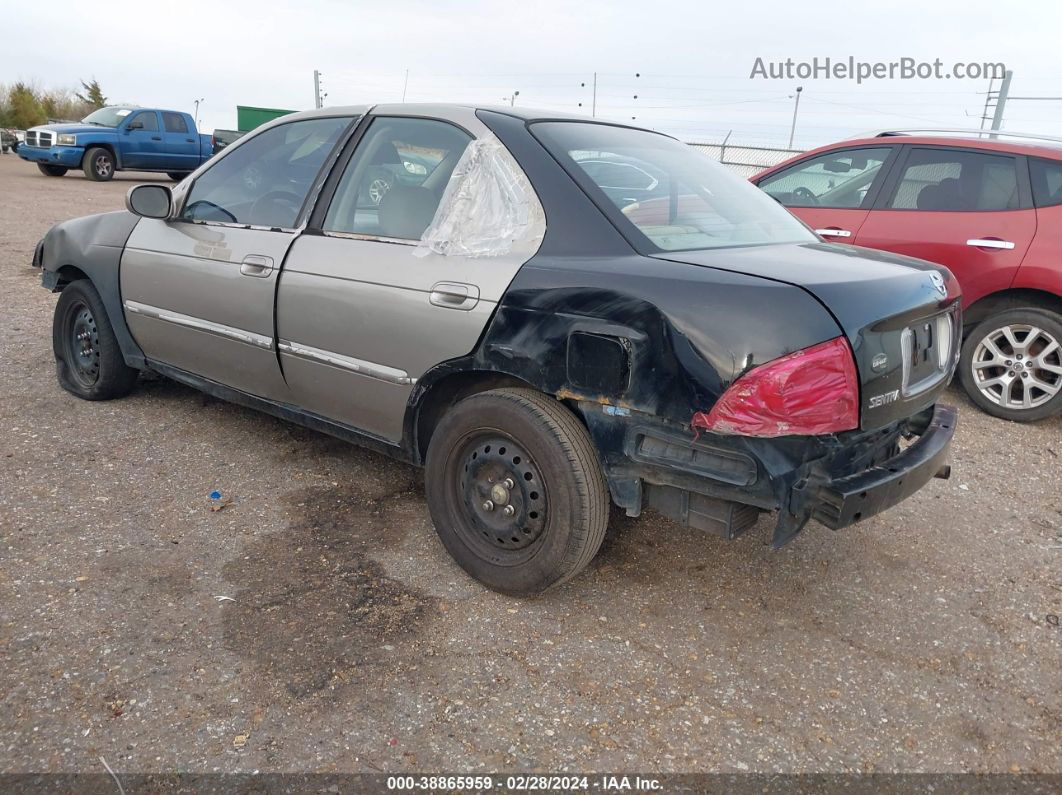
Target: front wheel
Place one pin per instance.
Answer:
(51, 171)
(98, 164)
(1011, 364)
(88, 360)
(515, 490)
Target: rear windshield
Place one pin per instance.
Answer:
(666, 193)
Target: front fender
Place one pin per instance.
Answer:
(93, 245)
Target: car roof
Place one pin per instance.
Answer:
(444, 108)
(1033, 147)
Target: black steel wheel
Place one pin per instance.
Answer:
(515, 490)
(83, 344)
(500, 493)
(88, 360)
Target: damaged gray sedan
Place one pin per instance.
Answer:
(543, 336)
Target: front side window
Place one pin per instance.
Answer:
(145, 121)
(174, 122)
(836, 180)
(1046, 182)
(680, 199)
(949, 180)
(264, 180)
(392, 185)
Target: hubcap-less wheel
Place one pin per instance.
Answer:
(1018, 366)
(103, 166)
(84, 345)
(502, 495)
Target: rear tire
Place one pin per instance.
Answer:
(1011, 364)
(98, 164)
(515, 490)
(88, 360)
(51, 171)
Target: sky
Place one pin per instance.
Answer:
(679, 66)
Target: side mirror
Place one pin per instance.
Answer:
(149, 201)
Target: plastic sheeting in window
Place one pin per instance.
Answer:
(488, 208)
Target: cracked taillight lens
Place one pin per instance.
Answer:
(810, 392)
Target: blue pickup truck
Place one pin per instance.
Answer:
(119, 139)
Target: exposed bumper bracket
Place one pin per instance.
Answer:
(846, 500)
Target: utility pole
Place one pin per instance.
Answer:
(593, 96)
(197, 112)
(405, 85)
(1001, 100)
(317, 103)
(796, 107)
(988, 99)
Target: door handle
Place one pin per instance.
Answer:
(990, 242)
(833, 232)
(189, 140)
(256, 265)
(454, 295)
(156, 137)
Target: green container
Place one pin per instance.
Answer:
(247, 118)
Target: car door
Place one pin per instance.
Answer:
(362, 310)
(832, 192)
(969, 210)
(198, 289)
(140, 140)
(180, 145)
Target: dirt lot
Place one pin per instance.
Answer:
(925, 639)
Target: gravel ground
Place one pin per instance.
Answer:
(924, 639)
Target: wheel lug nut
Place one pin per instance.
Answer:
(509, 510)
(1008, 362)
(509, 484)
(488, 506)
(1025, 374)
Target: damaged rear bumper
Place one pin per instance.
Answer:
(720, 484)
(845, 500)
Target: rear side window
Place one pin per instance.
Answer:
(393, 184)
(265, 180)
(1046, 182)
(836, 180)
(174, 122)
(948, 180)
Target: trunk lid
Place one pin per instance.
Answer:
(900, 315)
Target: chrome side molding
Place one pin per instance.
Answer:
(198, 323)
(372, 370)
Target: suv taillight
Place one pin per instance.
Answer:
(810, 392)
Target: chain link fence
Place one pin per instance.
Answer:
(745, 160)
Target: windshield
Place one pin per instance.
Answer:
(107, 117)
(665, 192)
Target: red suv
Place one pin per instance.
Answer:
(990, 209)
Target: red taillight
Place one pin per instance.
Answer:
(809, 392)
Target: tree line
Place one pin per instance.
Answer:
(23, 105)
